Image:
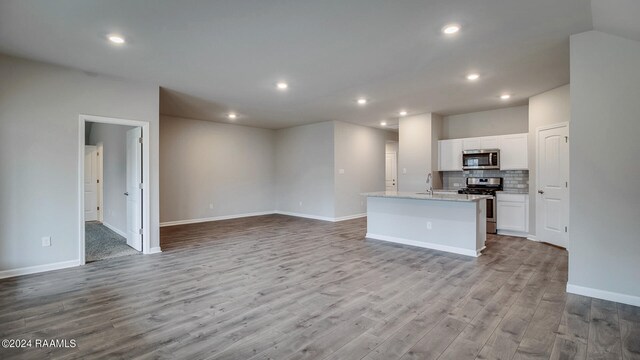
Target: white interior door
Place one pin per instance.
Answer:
(552, 197)
(90, 183)
(100, 180)
(134, 193)
(391, 172)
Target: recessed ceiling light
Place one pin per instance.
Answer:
(402, 113)
(282, 85)
(473, 77)
(505, 96)
(383, 123)
(362, 101)
(116, 39)
(451, 29)
(232, 116)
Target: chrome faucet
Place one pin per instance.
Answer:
(429, 185)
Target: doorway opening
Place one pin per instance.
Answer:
(113, 168)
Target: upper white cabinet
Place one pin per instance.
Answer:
(513, 152)
(450, 155)
(485, 142)
(471, 143)
(489, 142)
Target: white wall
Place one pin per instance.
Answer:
(550, 107)
(604, 248)
(114, 169)
(305, 170)
(360, 153)
(415, 152)
(205, 163)
(437, 124)
(512, 120)
(39, 109)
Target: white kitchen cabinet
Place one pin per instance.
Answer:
(471, 144)
(489, 142)
(513, 152)
(450, 155)
(513, 214)
(475, 143)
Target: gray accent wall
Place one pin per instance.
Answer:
(40, 106)
(512, 120)
(212, 169)
(114, 169)
(604, 245)
(305, 178)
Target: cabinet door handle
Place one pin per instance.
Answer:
(540, 192)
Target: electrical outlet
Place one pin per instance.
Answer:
(46, 241)
(404, 171)
(341, 171)
(429, 225)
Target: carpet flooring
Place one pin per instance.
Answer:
(103, 243)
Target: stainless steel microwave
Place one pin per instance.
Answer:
(481, 159)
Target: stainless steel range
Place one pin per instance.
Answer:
(485, 186)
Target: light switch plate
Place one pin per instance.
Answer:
(46, 241)
(404, 170)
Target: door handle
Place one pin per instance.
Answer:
(540, 192)
(126, 194)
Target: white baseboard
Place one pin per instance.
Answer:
(323, 218)
(216, 218)
(237, 216)
(155, 250)
(513, 233)
(426, 245)
(306, 216)
(114, 229)
(38, 268)
(350, 217)
(604, 295)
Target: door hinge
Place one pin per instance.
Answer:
(98, 208)
(566, 229)
(98, 181)
(141, 186)
(140, 231)
(98, 154)
(566, 139)
(140, 140)
(566, 184)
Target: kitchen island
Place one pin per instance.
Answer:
(441, 221)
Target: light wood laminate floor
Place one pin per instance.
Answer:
(278, 287)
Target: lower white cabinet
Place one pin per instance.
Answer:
(513, 214)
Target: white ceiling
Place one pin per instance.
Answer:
(617, 17)
(212, 57)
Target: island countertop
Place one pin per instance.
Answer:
(425, 196)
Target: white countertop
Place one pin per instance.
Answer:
(515, 191)
(438, 195)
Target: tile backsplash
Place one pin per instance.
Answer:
(513, 179)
